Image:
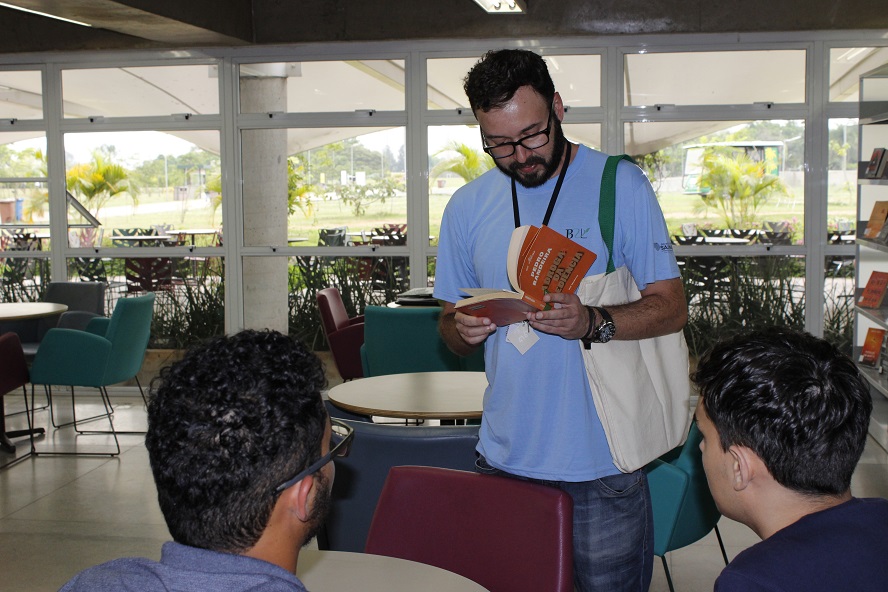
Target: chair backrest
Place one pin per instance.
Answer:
(361, 475)
(128, 332)
(505, 534)
(684, 511)
(344, 335)
(333, 314)
(404, 339)
(332, 237)
(14, 370)
(79, 296)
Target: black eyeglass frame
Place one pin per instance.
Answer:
(340, 448)
(520, 142)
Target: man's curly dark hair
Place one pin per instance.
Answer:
(228, 423)
(494, 80)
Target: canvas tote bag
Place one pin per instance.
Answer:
(641, 388)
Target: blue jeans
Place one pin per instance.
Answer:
(613, 530)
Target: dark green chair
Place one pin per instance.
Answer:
(108, 352)
(684, 511)
(404, 339)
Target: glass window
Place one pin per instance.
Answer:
(842, 183)
(23, 194)
(140, 91)
(838, 291)
(307, 87)
(22, 278)
(336, 186)
(577, 79)
(21, 95)
(142, 183)
(725, 175)
(456, 157)
(715, 78)
(769, 291)
(846, 64)
(189, 292)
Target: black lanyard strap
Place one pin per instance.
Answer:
(555, 192)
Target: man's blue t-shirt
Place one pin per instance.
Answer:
(539, 418)
(186, 568)
(842, 548)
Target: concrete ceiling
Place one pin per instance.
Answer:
(176, 23)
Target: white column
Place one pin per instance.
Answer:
(265, 206)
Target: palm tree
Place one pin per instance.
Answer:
(463, 161)
(737, 186)
(98, 181)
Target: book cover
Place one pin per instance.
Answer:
(872, 167)
(540, 261)
(876, 220)
(872, 346)
(880, 172)
(873, 294)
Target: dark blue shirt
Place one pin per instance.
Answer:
(186, 568)
(841, 548)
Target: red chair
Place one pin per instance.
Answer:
(505, 534)
(13, 375)
(345, 335)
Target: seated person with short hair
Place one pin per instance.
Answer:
(784, 419)
(229, 427)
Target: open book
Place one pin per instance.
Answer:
(540, 261)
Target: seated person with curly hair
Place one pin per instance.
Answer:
(236, 433)
(784, 419)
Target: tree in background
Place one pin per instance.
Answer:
(737, 186)
(461, 160)
(99, 180)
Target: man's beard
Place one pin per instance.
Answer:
(538, 178)
(323, 502)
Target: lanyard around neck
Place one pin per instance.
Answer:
(555, 192)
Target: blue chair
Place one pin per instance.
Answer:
(405, 339)
(684, 511)
(108, 352)
(361, 475)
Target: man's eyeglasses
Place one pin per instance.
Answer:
(340, 440)
(530, 142)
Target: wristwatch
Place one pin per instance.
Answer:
(603, 332)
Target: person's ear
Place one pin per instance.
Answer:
(742, 466)
(299, 498)
(558, 107)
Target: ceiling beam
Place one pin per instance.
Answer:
(192, 23)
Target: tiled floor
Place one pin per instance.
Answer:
(59, 515)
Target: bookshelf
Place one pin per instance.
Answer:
(872, 255)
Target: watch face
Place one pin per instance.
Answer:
(606, 332)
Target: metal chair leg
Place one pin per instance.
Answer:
(668, 577)
(108, 413)
(29, 432)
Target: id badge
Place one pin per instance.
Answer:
(522, 336)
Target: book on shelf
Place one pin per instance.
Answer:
(876, 220)
(871, 352)
(873, 294)
(872, 167)
(883, 165)
(540, 261)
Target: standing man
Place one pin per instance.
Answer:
(240, 447)
(784, 419)
(539, 418)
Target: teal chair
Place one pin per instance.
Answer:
(109, 351)
(405, 339)
(684, 511)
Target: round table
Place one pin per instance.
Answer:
(334, 571)
(415, 395)
(15, 311)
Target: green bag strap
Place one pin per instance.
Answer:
(607, 205)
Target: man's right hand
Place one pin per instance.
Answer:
(461, 332)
